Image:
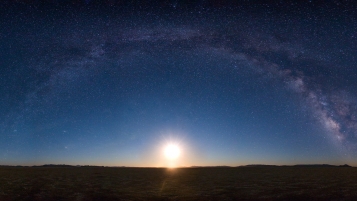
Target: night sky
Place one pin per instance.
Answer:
(113, 83)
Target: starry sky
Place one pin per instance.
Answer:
(112, 83)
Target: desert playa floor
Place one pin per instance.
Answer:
(240, 183)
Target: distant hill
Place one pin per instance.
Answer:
(55, 165)
(315, 165)
(298, 165)
(260, 165)
(221, 166)
(345, 165)
(321, 165)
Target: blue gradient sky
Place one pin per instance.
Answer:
(113, 84)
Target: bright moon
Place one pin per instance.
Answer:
(172, 151)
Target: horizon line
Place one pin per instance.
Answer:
(193, 166)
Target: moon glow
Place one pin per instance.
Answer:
(172, 152)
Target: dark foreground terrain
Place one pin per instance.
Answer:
(243, 183)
